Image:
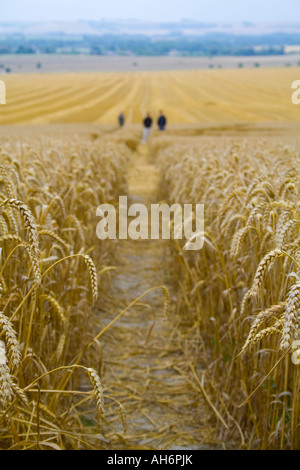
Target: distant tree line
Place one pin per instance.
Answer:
(174, 43)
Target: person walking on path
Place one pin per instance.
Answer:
(121, 119)
(147, 127)
(162, 121)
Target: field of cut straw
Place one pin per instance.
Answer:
(186, 96)
(143, 344)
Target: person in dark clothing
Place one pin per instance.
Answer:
(147, 127)
(121, 119)
(162, 121)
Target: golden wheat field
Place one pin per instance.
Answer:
(138, 344)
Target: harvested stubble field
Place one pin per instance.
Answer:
(141, 344)
(186, 96)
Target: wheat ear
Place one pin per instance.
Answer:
(291, 316)
(31, 226)
(95, 379)
(262, 268)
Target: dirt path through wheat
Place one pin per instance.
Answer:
(145, 367)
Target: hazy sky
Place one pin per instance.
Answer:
(159, 10)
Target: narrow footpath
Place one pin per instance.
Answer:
(145, 355)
